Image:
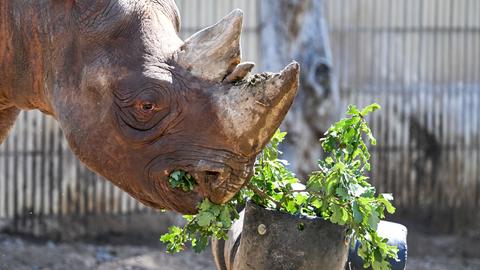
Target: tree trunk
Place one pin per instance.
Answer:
(297, 30)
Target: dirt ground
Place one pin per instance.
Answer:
(443, 252)
(425, 252)
(18, 253)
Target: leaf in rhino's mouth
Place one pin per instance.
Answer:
(182, 180)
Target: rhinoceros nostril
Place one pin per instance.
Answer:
(211, 177)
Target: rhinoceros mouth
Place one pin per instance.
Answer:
(220, 187)
(216, 180)
(219, 183)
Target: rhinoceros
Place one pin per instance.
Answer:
(135, 101)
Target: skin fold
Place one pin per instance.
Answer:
(136, 102)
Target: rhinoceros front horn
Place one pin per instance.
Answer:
(249, 110)
(214, 52)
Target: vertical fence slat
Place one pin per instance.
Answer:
(436, 49)
(419, 61)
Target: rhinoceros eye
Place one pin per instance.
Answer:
(147, 106)
(145, 110)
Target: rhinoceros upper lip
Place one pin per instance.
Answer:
(218, 178)
(217, 185)
(222, 187)
(210, 180)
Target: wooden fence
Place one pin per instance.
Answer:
(420, 59)
(41, 179)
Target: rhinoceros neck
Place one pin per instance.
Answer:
(6, 55)
(25, 39)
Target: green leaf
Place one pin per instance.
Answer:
(204, 219)
(316, 203)
(357, 215)
(291, 207)
(314, 185)
(225, 217)
(200, 244)
(370, 108)
(373, 220)
(205, 205)
(387, 196)
(338, 192)
(352, 110)
(339, 215)
(329, 160)
(385, 199)
(300, 199)
(182, 180)
(342, 192)
(215, 210)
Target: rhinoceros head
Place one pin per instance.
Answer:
(138, 103)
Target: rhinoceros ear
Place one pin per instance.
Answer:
(214, 52)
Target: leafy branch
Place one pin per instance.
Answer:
(338, 192)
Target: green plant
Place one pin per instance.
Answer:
(212, 220)
(338, 192)
(182, 180)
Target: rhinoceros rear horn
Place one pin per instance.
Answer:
(214, 52)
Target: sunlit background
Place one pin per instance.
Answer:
(419, 59)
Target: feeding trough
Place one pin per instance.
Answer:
(288, 225)
(272, 239)
(269, 239)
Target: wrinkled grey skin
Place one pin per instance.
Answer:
(134, 101)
